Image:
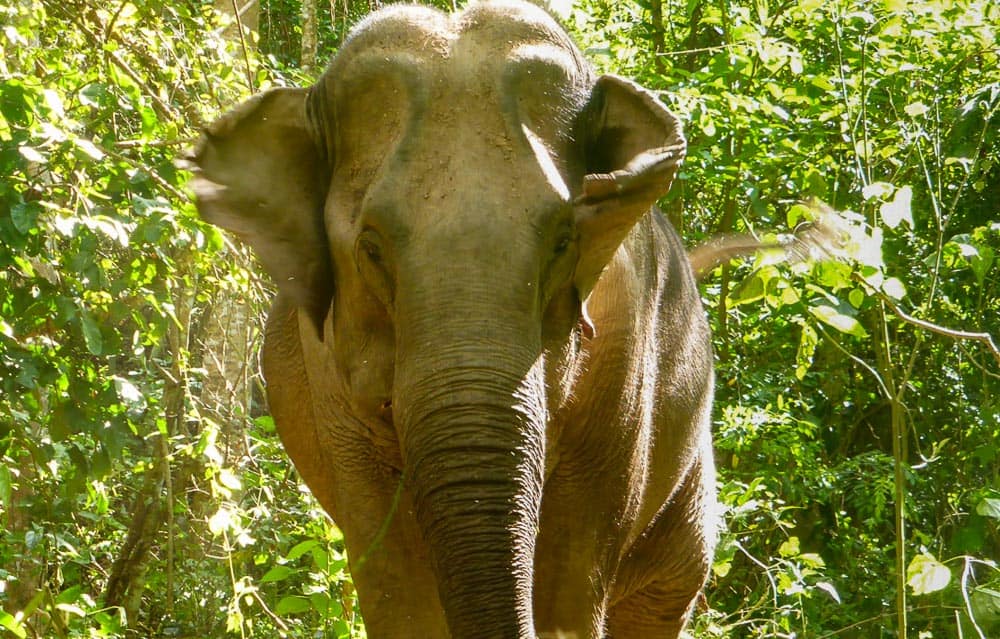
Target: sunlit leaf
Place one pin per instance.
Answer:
(220, 521)
(838, 320)
(72, 609)
(898, 210)
(926, 574)
(829, 589)
(989, 507)
(750, 290)
(13, 624)
(790, 547)
(894, 288)
(31, 154)
(89, 148)
(808, 341)
(916, 109)
(865, 247)
(229, 479)
(54, 102)
(127, 391)
(876, 190)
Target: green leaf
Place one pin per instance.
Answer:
(750, 290)
(301, 548)
(91, 333)
(93, 94)
(6, 487)
(265, 423)
(277, 574)
(838, 320)
(70, 594)
(856, 297)
(789, 548)
(12, 624)
(989, 507)
(24, 216)
(806, 351)
(799, 212)
(926, 574)
(325, 605)
(342, 628)
(292, 604)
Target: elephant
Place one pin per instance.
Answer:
(487, 356)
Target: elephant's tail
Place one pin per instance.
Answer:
(823, 238)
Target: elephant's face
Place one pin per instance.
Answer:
(441, 172)
(449, 200)
(440, 205)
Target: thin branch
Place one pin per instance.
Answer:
(243, 44)
(965, 598)
(162, 144)
(972, 360)
(857, 360)
(720, 47)
(953, 333)
(160, 182)
(164, 109)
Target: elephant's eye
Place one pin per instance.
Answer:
(563, 244)
(373, 265)
(371, 250)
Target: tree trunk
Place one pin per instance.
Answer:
(310, 43)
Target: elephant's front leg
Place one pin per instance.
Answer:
(578, 547)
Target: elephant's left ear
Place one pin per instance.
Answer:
(261, 173)
(632, 146)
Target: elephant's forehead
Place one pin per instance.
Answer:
(482, 40)
(456, 114)
(416, 28)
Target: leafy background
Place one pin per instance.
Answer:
(142, 488)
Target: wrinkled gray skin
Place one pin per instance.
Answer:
(476, 307)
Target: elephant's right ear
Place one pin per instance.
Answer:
(261, 173)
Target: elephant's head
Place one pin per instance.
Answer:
(440, 205)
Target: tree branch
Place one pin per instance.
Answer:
(985, 338)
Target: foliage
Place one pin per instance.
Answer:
(858, 400)
(143, 490)
(139, 486)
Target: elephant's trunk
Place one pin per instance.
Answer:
(470, 412)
